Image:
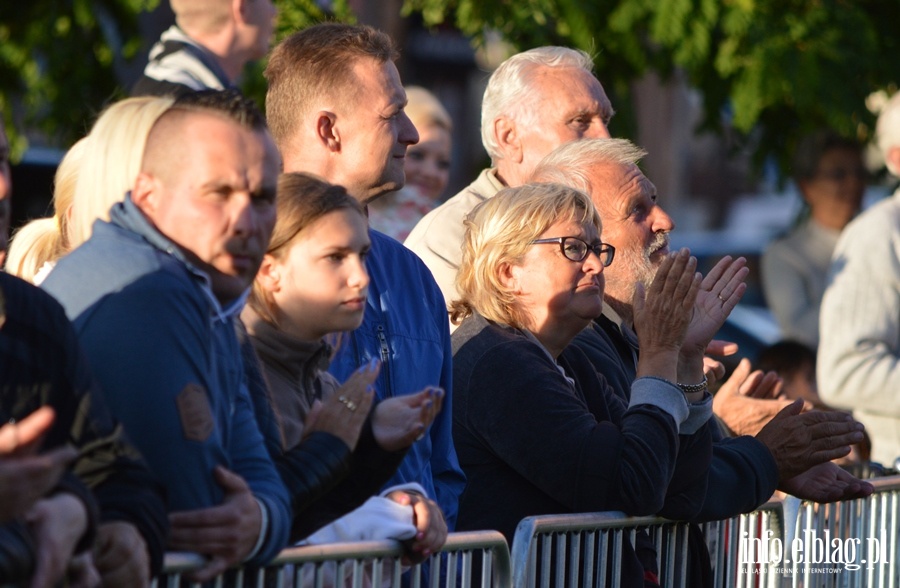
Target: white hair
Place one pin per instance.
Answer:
(570, 164)
(887, 130)
(507, 87)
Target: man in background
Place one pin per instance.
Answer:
(208, 46)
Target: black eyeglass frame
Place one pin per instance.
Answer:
(604, 251)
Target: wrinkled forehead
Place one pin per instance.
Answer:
(616, 185)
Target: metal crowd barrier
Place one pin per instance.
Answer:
(362, 564)
(573, 550)
(852, 543)
(738, 548)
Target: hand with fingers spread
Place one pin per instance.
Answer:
(661, 316)
(400, 421)
(713, 369)
(226, 533)
(826, 482)
(720, 291)
(431, 529)
(747, 401)
(798, 441)
(344, 412)
(25, 475)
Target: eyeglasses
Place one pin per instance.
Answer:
(577, 250)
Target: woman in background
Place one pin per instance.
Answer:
(100, 171)
(830, 175)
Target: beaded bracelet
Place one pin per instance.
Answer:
(692, 388)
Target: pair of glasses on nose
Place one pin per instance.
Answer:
(575, 249)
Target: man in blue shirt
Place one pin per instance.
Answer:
(335, 106)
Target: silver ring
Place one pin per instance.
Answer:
(719, 296)
(351, 406)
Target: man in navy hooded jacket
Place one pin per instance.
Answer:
(154, 295)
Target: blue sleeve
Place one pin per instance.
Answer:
(449, 479)
(251, 460)
(742, 476)
(179, 395)
(148, 346)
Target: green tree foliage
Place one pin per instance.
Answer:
(58, 60)
(769, 69)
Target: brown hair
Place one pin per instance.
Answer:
(302, 200)
(317, 61)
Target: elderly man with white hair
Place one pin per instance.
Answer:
(859, 325)
(534, 102)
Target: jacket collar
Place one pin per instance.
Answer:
(128, 216)
(300, 360)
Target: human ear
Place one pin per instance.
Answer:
(508, 274)
(327, 131)
(145, 193)
(239, 10)
(505, 132)
(269, 275)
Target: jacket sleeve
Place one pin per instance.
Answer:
(449, 479)
(155, 351)
(528, 414)
(686, 490)
(742, 476)
(367, 469)
(252, 462)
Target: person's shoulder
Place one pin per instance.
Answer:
(25, 303)
(395, 256)
(876, 226)
(477, 339)
(447, 218)
(110, 270)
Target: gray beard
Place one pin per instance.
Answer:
(620, 287)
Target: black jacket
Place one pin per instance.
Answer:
(42, 364)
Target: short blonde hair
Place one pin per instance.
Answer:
(112, 161)
(46, 239)
(499, 231)
(425, 110)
